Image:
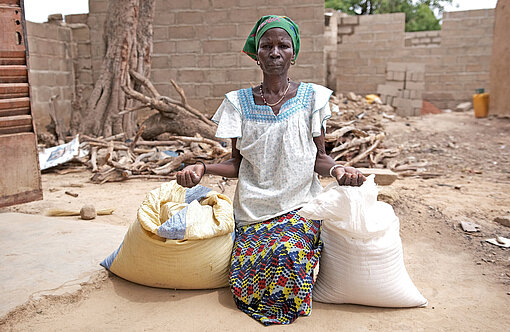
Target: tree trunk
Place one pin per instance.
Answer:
(177, 123)
(128, 45)
(177, 117)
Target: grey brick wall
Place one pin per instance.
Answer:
(198, 44)
(456, 59)
(51, 71)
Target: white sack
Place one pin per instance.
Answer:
(362, 260)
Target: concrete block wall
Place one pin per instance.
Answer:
(422, 38)
(332, 23)
(463, 63)
(51, 71)
(454, 68)
(363, 54)
(95, 21)
(404, 87)
(82, 61)
(198, 44)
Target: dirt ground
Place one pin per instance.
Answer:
(465, 279)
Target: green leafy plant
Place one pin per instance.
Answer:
(420, 14)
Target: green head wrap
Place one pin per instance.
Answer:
(268, 22)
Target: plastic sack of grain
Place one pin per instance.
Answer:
(182, 239)
(362, 260)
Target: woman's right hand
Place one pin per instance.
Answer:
(190, 175)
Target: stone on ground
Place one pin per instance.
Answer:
(503, 220)
(88, 212)
(352, 96)
(463, 107)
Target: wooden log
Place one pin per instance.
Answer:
(109, 152)
(120, 147)
(340, 124)
(135, 109)
(217, 147)
(385, 153)
(342, 131)
(345, 152)
(383, 177)
(174, 163)
(152, 177)
(137, 137)
(143, 156)
(114, 137)
(157, 102)
(58, 124)
(107, 174)
(362, 155)
(359, 141)
(93, 159)
(183, 139)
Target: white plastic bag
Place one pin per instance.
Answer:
(362, 260)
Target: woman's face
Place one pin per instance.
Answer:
(275, 51)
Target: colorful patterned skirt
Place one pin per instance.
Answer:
(271, 273)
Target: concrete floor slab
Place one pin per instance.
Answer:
(49, 256)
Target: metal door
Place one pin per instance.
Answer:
(20, 178)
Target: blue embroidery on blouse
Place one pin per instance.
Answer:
(196, 193)
(264, 113)
(175, 227)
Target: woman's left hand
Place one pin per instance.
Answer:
(348, 176)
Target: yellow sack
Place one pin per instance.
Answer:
(181, 239)
(373, 99)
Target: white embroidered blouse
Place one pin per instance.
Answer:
(276, 174)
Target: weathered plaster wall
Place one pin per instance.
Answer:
(499, 102)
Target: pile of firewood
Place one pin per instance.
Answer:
(354, 137)
(355, 132)
(113, 159)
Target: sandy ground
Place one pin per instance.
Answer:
(57, 252)
(465, 279)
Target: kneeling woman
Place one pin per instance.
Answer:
(277, 130)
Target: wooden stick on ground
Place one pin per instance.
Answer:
(68, 213)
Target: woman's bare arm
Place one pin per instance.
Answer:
(191, 175)
(348, 176)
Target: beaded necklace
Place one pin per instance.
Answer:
(279, 100)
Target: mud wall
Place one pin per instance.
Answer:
(500, 67)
